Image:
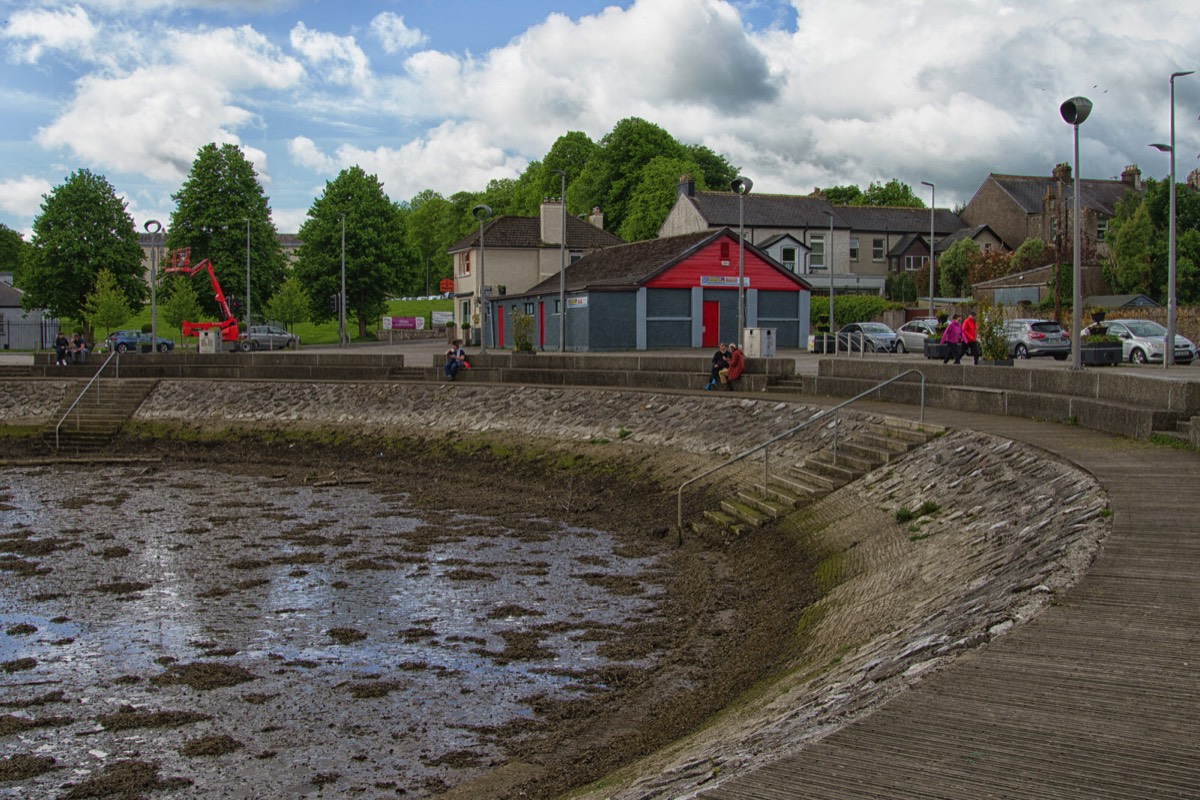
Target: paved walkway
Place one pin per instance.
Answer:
(1098, 697)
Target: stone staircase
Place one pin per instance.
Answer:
(793, 486)
(1183, 430)
(99, 415)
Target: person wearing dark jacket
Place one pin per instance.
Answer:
(737, 365)
(720, 361)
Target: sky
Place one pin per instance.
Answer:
(450, 94)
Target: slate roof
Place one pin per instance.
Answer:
(906, 241)
(10, 297)
(526, 233)
(965, 233)
(1027, 192)
(766, 210)
(900, 220)
(1120, 301)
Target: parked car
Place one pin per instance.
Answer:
(872, 337)
(1037, 337)
(124, 341)
(267, 337)
(911, 336)
(1144, 340)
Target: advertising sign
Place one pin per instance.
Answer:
(404, 323)
(722, 280)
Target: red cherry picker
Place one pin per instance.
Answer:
(181, 262)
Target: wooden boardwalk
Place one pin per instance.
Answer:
(1098, 697)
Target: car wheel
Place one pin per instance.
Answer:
(1021, 351)
(162, 348)
(900, 348)
(122, 348)
(247, 346)
(293, 344)
(1138, 356)
(1061, 357)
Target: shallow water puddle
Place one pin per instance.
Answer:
(335, 634)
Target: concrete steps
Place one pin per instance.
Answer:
(97, 417)
(793, 486)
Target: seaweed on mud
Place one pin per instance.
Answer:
(24, 544)
(249, 563)
(518, 646)
(115, 552)
(22, 567)
(55, 696)
(18, 665)
(10, 723)
(468, 575)
(203, 676)
(365, 690)
(458, 759)
(20, 767)
(119, 586)
(258, 698)
(126, 779)
(21, 629)
(504, 612)
(214, 745)
(129, 717)
(345, 635)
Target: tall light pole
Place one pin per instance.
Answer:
(342, 295)
(1074, 112)
(741, 187)
(829, 266)
(481, 213)
(1169, 344)
(154, 228)
(562, 266)
(932, 211)
(247, 275)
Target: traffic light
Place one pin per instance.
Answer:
(334, 304)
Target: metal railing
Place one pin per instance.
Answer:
(96, 381)
(765, 446)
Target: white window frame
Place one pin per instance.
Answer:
(878, 252)
(816, 243)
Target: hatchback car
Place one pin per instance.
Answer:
(267, 337)
(1143, 340)
(1037, 337)
(124, 341)
(871, 337)
(911, 336)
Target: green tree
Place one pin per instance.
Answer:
(106, 307)
(181, 304)
(83, 228)
(1130, 241)
(570, 153)
(954, 268)
(611, 179)
(432, 224)
(842, 195)
(221, 212)
(893, 193)
(374, 247)
(1032, 253)
(12, 252)
(291, 304)
(655, 194)
(715, 170)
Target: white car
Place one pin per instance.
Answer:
(1143, 340)
(911, 336)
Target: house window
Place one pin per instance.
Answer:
(877, 250)
(557, 307)
(914, 263)
(816, 259)
(854, 248)
(465, 264)
(529, 309)
(574, 256)
(1101, 229)
(788, 258)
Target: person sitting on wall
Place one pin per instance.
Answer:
(79, 349)
(456, 357)
(737, 365)
(720, 361)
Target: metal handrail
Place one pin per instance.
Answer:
(791, 432)
(75, 406)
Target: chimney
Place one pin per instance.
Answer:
(596, 218)
(686, 187)
(552, 220)
(1062, 172)
(1133, 176)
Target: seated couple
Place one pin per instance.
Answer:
(456, 359)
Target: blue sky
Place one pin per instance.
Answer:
(449, 94)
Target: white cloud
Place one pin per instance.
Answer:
(23, 196)
(36, 31)
(394, 35)
(304, 152)
(337, 59)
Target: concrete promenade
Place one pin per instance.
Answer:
(1098, 697)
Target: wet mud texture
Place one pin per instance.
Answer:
(368, 619)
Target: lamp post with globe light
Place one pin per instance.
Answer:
(741, 186)
(481, 212)
(932, 211)
(1074, 112)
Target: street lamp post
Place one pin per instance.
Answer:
(741, 187)
(1074, 112)
(342, 294)
(562, 266)
(481, 212)
(1169, 343)
(247, 275)
(154, 228)
(932, 211)
(829, 266)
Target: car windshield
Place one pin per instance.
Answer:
(1145, 328)
(876, 327)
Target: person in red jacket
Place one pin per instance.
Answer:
(970, 336)
(737, 365)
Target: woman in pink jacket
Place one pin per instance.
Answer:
(953, 339)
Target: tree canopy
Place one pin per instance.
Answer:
(83, 228)
(894, 193)
(222, 214)
(12, 252)
(375, 259)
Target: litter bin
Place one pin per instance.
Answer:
(759, 342)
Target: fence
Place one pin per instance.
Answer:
(28, 334)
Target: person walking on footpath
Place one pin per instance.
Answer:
(971, 336)
(953, 339)
(720, 361)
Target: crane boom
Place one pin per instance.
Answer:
(181, 263)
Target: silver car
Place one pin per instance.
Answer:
(1037, 337)
(1143, 340)
(267, 337)
(871, 337)
(911, 336)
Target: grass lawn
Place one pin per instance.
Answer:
(327, 332)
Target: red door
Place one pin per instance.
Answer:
(499, 326)
(710, 318)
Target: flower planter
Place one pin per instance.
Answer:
(997, 362)
(1101, 354)
(936, 349)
